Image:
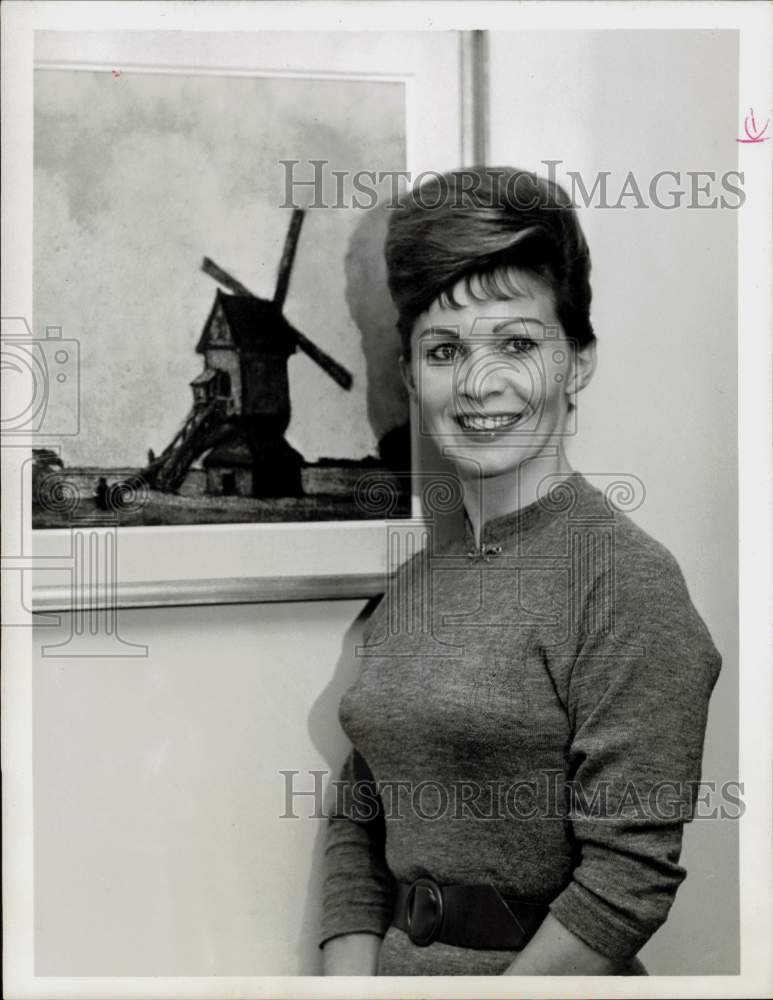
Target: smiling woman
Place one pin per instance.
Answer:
(501, 808)
(500, 262)
(496, 378)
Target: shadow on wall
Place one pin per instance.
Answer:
(388, 405)
(374, 313)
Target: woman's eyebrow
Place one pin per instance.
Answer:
(517, 319)
(440, 331)
(451, 331)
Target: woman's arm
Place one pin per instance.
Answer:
(351, 955)
(357, 885)
(637, 696)
(555, 951)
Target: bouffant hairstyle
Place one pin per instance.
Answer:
(477, 224)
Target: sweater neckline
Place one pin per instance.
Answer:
(532, 515)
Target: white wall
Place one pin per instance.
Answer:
(157, 791)
(158, 847)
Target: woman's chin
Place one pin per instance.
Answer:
(483, 465)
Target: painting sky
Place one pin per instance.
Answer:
(140, 175)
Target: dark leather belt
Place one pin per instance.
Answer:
(467, 916)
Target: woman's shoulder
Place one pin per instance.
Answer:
(604, 510)
(631, 579)
(640, 574)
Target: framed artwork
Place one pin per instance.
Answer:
(221, 416)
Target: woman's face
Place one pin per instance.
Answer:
(492, 378)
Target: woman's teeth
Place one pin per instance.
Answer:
(492, 423)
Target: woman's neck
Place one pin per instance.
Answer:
(485, 499)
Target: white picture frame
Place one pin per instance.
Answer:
(109, 567)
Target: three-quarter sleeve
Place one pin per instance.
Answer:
(638, 695)
(357, 885)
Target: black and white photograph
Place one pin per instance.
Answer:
(386, 491)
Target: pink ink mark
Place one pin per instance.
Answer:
(116, 73)
(753, 133)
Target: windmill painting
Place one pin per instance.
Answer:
(267, 401)
(242, 398)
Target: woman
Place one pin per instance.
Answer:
(532, 747)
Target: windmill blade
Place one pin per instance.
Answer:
(337, 372)
(224, 278)
(288, 256)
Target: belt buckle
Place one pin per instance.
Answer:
(424, 911)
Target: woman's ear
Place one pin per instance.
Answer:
(407, 375)
(583, 367)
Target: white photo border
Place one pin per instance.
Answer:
(756, 595)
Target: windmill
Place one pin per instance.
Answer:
(243, 394)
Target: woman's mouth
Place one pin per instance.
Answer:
(488, 423)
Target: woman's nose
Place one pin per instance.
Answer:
(484, 374)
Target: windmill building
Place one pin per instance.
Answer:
(241, 400)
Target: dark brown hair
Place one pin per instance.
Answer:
(477, 223)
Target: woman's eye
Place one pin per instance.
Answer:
(519, 345)
(442, 353)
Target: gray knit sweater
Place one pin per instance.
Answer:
(535, 720)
